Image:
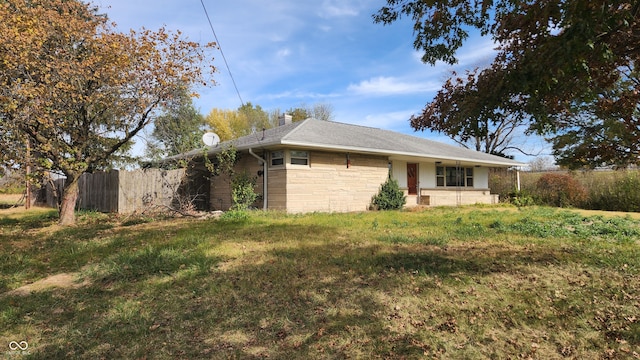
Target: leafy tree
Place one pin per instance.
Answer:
(78, 89)
(553, 55)
(298, 114)
(178, 129)
(228, 124)
(13, 145)
(12, 180)
(232, 124)
(468, 114)
(257, 118)
(605, 131)
(319, 111)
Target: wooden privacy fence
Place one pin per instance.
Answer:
(136, 191)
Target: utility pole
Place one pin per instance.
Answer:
(27, 200)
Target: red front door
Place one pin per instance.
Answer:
(412, 178)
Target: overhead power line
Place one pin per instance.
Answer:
(221, 52)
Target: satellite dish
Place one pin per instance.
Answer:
(211, 139)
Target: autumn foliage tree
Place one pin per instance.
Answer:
(557, 56)
(469, 114)
(78, 90)
(232, 124)
(604, 130)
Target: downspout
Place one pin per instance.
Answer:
(264, 178)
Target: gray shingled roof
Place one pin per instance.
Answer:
(329, 135)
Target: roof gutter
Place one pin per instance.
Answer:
(264, 178)
(486, 162)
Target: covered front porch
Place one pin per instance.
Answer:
(434, 182)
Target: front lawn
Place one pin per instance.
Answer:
(471, 283)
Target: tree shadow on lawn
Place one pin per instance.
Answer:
(33, 220)
(336, 301)
(27, 256)
(111, 315)
(309, 299)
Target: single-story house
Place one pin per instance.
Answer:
(327, 166)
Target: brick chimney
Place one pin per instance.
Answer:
(284, 119)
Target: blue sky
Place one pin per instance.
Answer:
(286, 53)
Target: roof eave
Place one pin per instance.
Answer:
(391, 153)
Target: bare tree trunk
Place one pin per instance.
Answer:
(69, 199)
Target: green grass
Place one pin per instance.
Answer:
(469, 283)
(11, 200)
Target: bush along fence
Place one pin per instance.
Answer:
(146, 190)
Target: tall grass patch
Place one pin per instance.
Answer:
(596, 190)
(620, 191)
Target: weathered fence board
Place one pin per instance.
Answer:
(130, 191)
(146, 189)
(98, 191)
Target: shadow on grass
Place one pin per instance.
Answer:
(31, 221)
(4, 206)
(26, 257)
(306, 298)
(109, 316)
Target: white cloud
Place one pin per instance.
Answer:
(481, 54)
(337, 9)
(394, 120)
(282, 53)
(297, 94)
(383, 85)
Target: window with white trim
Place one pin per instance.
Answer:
(454, 176)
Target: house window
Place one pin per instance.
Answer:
(277, 158)
(439, 176)
(454, 176)
(299, 157)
